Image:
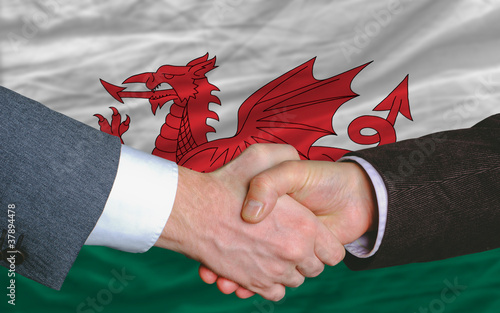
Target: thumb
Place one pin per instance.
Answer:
(265, 189)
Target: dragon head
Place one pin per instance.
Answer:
(169, 82)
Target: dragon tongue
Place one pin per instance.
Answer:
(154, 106)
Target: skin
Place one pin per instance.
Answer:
(339, 193)
(206, 225)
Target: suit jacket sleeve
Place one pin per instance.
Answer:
(443, 195)
(58, 173)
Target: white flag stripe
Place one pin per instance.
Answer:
(56, 52)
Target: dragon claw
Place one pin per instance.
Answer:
(127, 121)
(115, 111)
(100, 117)
(116, 127)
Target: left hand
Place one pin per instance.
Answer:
(339, 193)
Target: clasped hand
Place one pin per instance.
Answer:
(296, 217)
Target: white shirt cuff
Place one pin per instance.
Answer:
(364, 246)
(139, 203)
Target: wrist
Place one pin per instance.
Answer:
(178, 233)
(367, 197)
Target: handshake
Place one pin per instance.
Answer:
(267, 220)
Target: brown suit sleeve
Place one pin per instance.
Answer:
(443, 195)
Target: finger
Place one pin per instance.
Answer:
(244, 293)
(268, 186)
(226, 286)
(311, 267)
(207, 275)
(327, 247)
(295, 279)
(274, 293)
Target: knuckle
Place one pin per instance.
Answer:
(259, 285)
(261, 181)
(277, 293)
(337, 256)
(308, 228)
(317, 270)
(294, 251)
(253, 148)
(277, 271)
(290, 164)
(257, 151)
(290, 152)
(261, 152)
(312, 266)
(296, 281)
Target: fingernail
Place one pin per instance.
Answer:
(252, 209)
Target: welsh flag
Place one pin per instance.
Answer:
(196, 82)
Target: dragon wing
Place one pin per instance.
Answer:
(294, 109)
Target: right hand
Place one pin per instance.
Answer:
(206, 225)
(339, 193)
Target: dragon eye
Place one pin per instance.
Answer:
(168, 76)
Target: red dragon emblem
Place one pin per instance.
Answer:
(295, 109)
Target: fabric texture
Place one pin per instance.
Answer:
(57, 51)
(443, 195)
(58, 173)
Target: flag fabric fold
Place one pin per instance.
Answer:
(409, 68)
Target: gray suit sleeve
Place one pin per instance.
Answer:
(58, 173)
